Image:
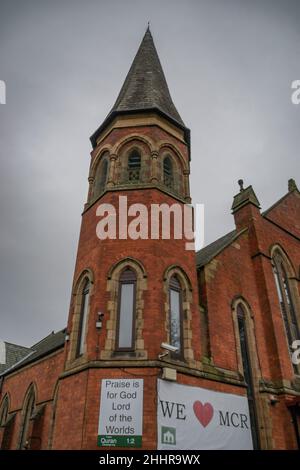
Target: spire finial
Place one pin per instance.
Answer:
(148, 26)
(241, 185)
(292, 185)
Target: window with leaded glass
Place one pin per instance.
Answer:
(134, 166)
(287, 306)
(247, 371)
(168, 172)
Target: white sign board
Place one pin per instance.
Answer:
(121, 413)
(197, 418)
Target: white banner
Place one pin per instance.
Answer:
(121, 413)
(197, 418)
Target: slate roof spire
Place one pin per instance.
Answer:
(145, 87)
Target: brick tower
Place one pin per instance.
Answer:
(145, 361)
(131, 295)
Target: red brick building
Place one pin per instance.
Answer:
(230, 312)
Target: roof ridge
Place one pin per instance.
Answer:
(50, 334)
(41, 349)
(15, 344)
(215, 241)
(211, 250)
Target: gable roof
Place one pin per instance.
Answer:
(11, 354)
(273, 206)
(206, 254)
(292, 189)
(41, 349)
(285, 213)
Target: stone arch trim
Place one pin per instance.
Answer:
(122, 152)
(5, 402)
(251, 336)
(87, 273)
(175, 269)
(293, 287)
(276, 248)
(166, 147)
(53, 414)
(264, 429)
(7, 422)
(5, 397)
(94, 176)
(180, 169)
(188, 352)
(112, 307)
(98, 180)
(292, 277)
(31, 389)
(131, 262)
(98, 158)
(118, 147)
(239, 299)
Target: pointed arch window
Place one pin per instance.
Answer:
(286, 302)
(134, 166)
(126, 311)
(101, 177)
(28, 413)
(175, 315)
(4, 411)
(168, 172)
(85, 297)
(247, 371)
(6, 423)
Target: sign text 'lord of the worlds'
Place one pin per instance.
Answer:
(121, 413)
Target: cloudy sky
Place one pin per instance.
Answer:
(229, 65)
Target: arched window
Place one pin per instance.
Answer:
(4, 411)
(134, 166)
(101, 178)
(247, 370)
(287, 306)
(6, 423)
(103, 175)
(53, 417)
(168, 172)
(126, 311)
(175, 315)
(83, 317)
(28, 413)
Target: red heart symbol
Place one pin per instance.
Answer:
(204, 413)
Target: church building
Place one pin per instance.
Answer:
(164, 347)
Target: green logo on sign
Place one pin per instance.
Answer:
(119, 441)
(168, 435)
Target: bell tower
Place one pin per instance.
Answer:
(131, 293)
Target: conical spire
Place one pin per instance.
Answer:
(145, 87)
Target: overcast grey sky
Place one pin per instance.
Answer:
(229, 65)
